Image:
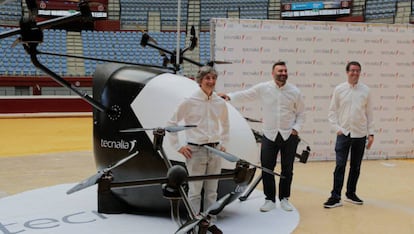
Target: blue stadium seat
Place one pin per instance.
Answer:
(377, 9)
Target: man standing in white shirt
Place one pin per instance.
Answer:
(209, 112)
(283, 118)
(351, 115)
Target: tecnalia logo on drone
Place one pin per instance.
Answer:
(121, 144)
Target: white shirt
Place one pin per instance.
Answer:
(209, 113)
(351, 110)
(283, 108)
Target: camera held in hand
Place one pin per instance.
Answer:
(303, 157)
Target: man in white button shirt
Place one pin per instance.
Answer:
(351, 115)
(283, 118)
(209, 112)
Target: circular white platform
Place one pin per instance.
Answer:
(50, 210)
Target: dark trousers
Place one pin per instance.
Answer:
(268, 157)
(343, 145)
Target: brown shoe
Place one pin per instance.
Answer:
(214, 230)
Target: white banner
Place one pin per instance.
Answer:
(316, 54)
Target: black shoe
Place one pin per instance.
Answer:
(214, 230)
(353, 198)
(332, 203)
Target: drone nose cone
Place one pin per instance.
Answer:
(176, 176)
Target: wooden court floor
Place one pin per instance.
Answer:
(41, 152)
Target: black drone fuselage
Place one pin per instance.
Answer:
(116, 86)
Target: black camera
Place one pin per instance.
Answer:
(303, 158)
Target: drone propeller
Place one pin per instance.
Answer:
(212, 63)
(187, 227)
(253, 120)
(212, 210)
(168, 129)
(95, 178)
(232, 158)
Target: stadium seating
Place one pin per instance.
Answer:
(125, 45)
(120, 46)
(376, 9)
(134, 12)
(204, 46)
(11, 12)
(16, 61)
(248, 9)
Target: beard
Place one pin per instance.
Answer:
(281, 79)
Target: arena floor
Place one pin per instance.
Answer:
(42, 152)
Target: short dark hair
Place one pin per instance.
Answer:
(355, 63)
(278, 63)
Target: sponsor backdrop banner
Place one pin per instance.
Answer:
(316, 54)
